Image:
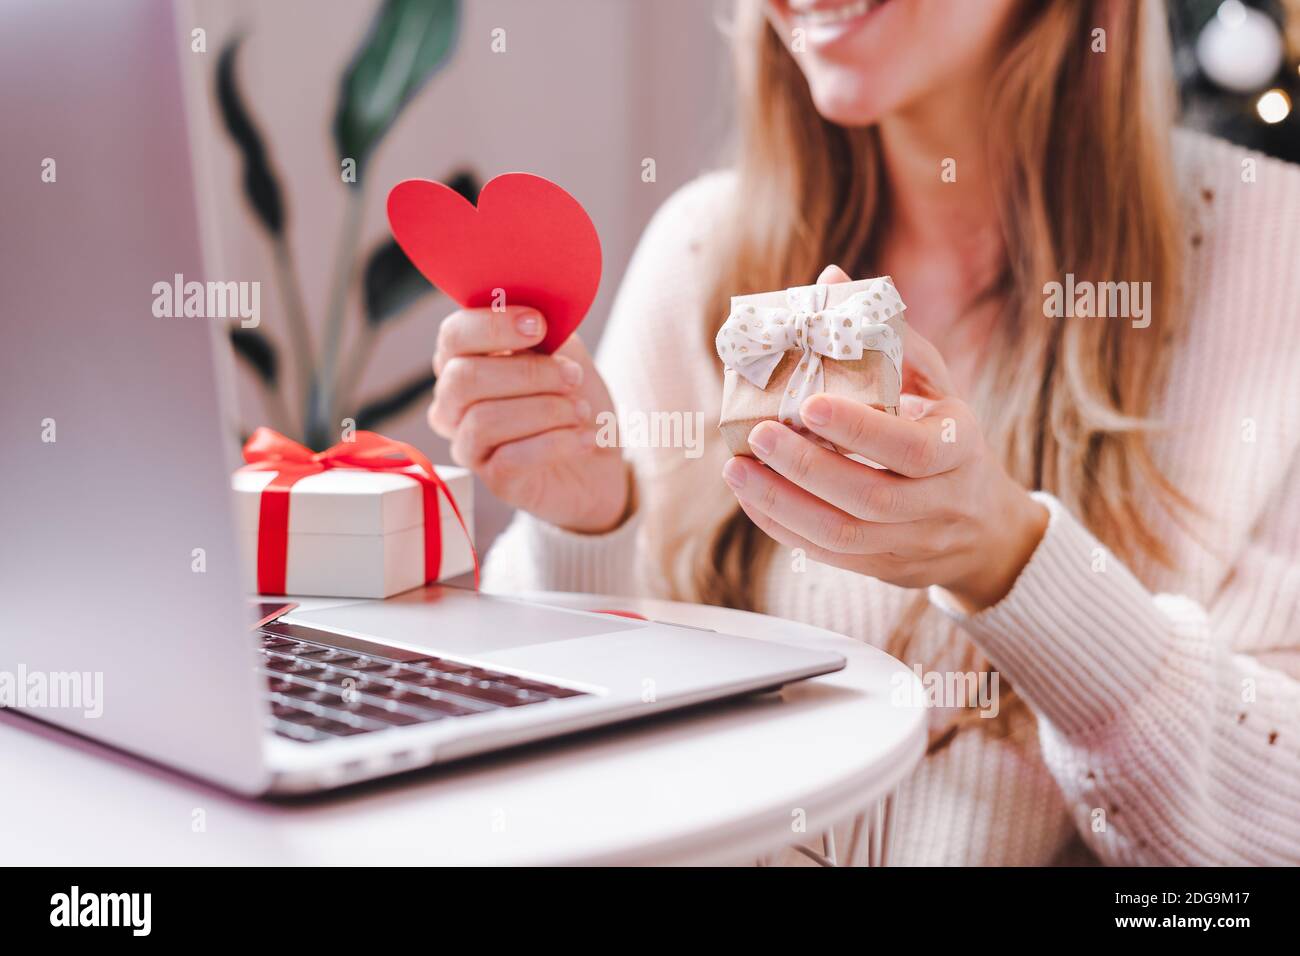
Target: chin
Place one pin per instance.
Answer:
(850, 101)
(856, 55)
(864, 59)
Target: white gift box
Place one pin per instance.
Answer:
(357, 533)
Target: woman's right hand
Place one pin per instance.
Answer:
(525, 423)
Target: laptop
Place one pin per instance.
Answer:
(121, 614)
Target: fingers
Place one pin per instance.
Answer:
(762, 490)
(787, 538)
(944, 439)
(469, 379)
(486, 331)
(854, 488)
(516, 470)
(490, 424)
(914, 555)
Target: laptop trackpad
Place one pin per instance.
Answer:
(456, 621)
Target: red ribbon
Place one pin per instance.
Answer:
(268, 450)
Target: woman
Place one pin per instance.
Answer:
(1108, 520)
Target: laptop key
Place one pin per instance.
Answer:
(360, 705)
(434, 705)
(308, 693)
(329, 655)
(336, 676)
(392, 672)
(499, 681)
(482, 690)
(370, 664)
(409, 693)
(447, 683)
(299, 732)
(331, 708)
(336, 728)
(482, 673)
(427, 680)
(288, 712)
(288, 665)
(504, 694)
(382, 714)
(320, 722)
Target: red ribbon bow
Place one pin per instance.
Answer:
(268, 450)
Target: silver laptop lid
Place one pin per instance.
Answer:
(120, 614)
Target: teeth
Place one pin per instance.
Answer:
(827, 16)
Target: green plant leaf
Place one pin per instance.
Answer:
(379, 410)
(258, 352)
(390, 283)
(467, 183)
(318, 431)
(260, 185)
(407, 42)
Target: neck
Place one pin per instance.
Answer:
(938, 183)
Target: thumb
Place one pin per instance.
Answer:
(925, 373)
(831, 275)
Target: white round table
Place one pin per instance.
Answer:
(732, 782)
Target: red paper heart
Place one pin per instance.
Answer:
(527, 237)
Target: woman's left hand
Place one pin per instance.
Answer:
(944, 512)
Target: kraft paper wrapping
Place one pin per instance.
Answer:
(779, 348)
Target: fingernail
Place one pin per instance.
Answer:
(816, 411)
(570, 371)
(528, 323)
(733, 473)
(582, 409)
(760, 439)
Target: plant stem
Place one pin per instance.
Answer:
(299, 332)
(277, 410)
(323, 414)
(355, 367)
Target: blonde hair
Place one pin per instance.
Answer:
(1079, 149)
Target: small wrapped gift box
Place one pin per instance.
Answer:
(845, 338)
(345, 523)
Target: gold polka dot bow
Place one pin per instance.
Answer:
(754, 339)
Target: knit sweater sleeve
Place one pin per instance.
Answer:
(646, 369)
(1171, 746)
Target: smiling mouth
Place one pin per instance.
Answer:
(833, 15)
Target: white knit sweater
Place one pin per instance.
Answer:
(1163, 719)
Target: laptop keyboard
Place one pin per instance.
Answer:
(322, 691)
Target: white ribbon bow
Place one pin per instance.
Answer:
(753, 340)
